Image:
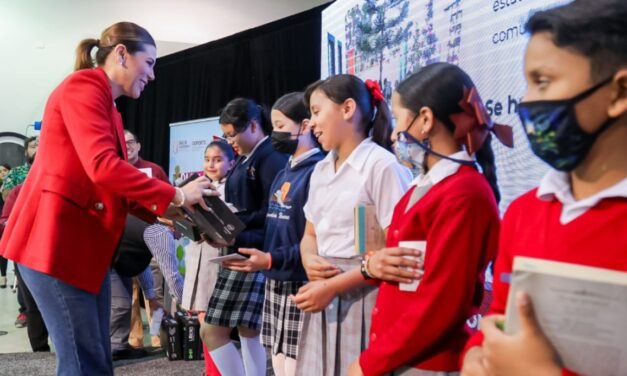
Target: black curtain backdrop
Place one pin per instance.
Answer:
(261, 63)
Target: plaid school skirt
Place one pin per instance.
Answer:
(282, 320)
(334, 338)
(237, 300)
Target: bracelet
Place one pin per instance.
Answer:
(364, 269)
(182, 196)
(364, 265)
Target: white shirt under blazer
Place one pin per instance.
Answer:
(370, 175)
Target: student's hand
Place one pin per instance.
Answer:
(314, 296)
(258, 260)
(473, 363)
(195, 190)
(527, 352)
(389, 264)
(317, 268)
(355, 369)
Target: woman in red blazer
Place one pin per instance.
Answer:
(71, 210)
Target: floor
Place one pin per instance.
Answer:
(16, 339)
(17, 358)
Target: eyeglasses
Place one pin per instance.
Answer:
(131, 143)
(230, 137)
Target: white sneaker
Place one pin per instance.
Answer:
(3, 282)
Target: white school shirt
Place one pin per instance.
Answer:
(220, 185)
(371, 175)
(295, 161)
(557, 184)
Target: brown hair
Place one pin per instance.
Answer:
(132, 36)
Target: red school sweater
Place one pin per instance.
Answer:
(531, 228)
(459, 219)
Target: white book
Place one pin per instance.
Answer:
(581, 309)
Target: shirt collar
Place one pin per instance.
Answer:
(255, 149)
(556, 184)
(442, 169)
(358, 157)
(302, 157)
(221, 181)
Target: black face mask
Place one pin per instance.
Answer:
(283, 142)
(554, 133)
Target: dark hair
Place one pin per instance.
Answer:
(29, 140)
(596, 29)
(132, 134)
(376, 117)
(132, 36)
(293, 106)
(241, 111)
(440, 87)
(226, 149)
(6, 165)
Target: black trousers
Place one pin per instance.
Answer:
(3, 266)
(36, 328)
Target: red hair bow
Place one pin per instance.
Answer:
(375, 91)
(474, 123)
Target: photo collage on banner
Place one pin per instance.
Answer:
(387, 40)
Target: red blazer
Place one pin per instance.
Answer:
(71, 211)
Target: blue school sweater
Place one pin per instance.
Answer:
(248, 188)
(285, 221)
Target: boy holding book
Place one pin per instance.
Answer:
(575, 116)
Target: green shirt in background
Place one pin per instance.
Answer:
(15, 177)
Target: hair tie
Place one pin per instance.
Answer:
(474, 123)
(375, 92)
(97, 42)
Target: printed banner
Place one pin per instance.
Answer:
(387, 40)
(188, 141)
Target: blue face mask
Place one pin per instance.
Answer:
(554, 133)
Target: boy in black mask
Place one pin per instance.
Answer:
(575, 116)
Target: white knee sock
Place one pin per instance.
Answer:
(278, 364)
(254, 356)
(228, 361)
(290, 366)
